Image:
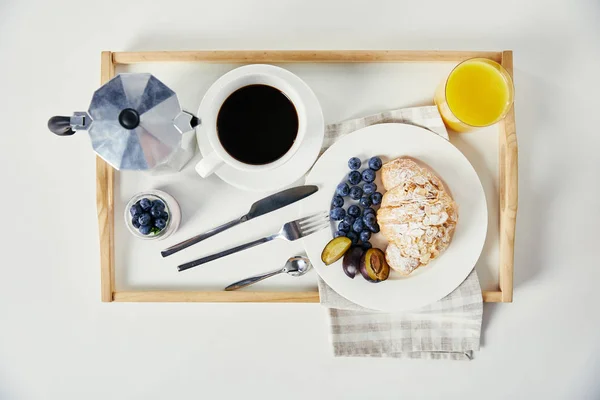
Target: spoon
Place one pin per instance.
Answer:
(295, 266)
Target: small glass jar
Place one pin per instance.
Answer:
(171, 207)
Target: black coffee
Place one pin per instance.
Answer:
(257, 124)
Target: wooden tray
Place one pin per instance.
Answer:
(105, 174)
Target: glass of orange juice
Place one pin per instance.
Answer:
(477, 93)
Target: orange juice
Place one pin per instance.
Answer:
(477, 93)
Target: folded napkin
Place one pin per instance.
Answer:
(447, 329)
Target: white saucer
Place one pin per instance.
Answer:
(297, 166)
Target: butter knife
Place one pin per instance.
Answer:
(261, 207)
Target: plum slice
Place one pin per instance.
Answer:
(335, 249)
(351, 262)
(373, 266)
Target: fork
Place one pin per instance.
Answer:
(290, 231)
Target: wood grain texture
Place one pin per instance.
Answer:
(240, 297)
(216, 297)
(509, 197)
(301, 56)
(492, 296)
(105, 203)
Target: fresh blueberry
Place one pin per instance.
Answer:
(365, 201)
(352, 236)
(368, 211)
(343, 189)
(354, 177)
(356, 192)
(374, 228)
(375, 163)
(368, 175)
(160, 223)
(145, 219)
(339, 233)
(135, 222)
(369, 220)
(145, 204)
(343, 227)
(366, 245)
(354, 210)
(158, 204)
(369, 188)
(337, 201)
(156, 212)
(365, 235)
(376, 198)
(135, 210)
(354, 163)
(337, 214)
(349, 219)
(165, 215)
(358, 226)
(145, 229)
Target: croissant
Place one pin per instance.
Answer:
(417, 215)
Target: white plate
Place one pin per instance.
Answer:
(427, 284)
(296, 167)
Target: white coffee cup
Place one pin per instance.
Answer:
(256, 74)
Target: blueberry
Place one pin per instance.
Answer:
(339, 233)
(368, 175)
(135, 223)
(358, 226)
(343, 227)
(145, 204)
(365, 235)
(354, 211)
(369, 220)
(354, 177)
(368, 211)
(158, 204)
(156, 212)
(375, 163)
(160, 223)
(337, 201)
(352, 236)
(376, 198)
(337, 214)
(369, 188)
(343, 189)
(145, 229)
(135, 210)
(349, 219)
(366, 245)
(365, 201)
(165, 215)
(145, 219)
(374, 228)
(356, 192)
(354, 163)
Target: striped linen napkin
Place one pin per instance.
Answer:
(447, 329)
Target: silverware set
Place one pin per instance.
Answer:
(290, 231)
(261, 207)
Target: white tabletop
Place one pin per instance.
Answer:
(57, 340)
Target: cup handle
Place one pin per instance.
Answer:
(209, 164)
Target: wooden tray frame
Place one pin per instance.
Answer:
(508, 166)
